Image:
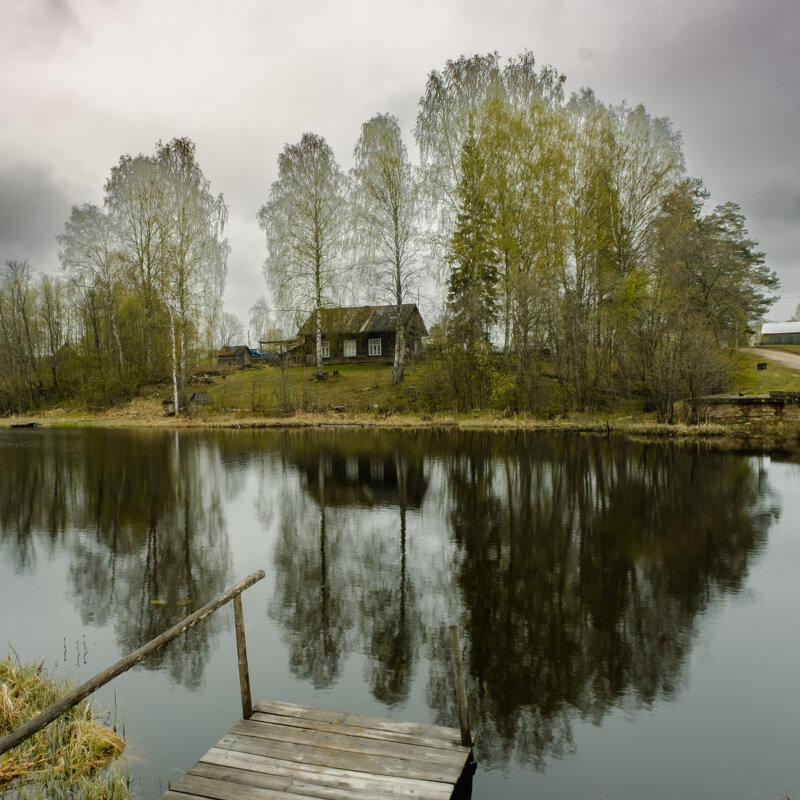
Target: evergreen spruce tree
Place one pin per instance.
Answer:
(472, 286)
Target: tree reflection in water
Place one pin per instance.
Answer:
(155, 542)
(343, 589)
(586, 563)
(582, 565)
(577, 567)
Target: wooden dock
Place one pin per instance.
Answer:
(288, 752)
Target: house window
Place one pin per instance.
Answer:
(326, 350)
(349, 348)
(374, 347)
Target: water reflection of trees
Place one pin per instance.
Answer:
(140, 514)
(582, 566)
(586, 563)
(342, 579)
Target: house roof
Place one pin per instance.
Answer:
(780, 327)
(362, 319)
(235, 350)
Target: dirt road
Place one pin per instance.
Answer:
(781, 356)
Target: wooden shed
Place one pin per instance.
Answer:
(236, 355)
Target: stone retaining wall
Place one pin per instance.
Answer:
(772, 407)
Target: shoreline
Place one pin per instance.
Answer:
(749, 437)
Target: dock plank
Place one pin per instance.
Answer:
(333, 726)
(287, 751)
(451, 735)
(375, 785)
(346, 740)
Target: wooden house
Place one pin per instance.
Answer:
(237, 355)
(363, 334)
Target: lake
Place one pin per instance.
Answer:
(627, 609)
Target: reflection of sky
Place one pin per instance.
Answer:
(733, 722)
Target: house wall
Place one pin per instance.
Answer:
(780, 338)
(336, 344)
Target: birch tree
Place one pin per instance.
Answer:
(90, 255)
(386, 193)
(18, 329)
(135, 199)
(305, 225)
(194, 249)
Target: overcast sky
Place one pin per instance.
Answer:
(85, 81)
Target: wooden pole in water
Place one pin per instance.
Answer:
(123, 665)
(241, 652)
(461, 689)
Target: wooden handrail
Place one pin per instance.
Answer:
(55, 710)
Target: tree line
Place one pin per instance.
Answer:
(138, 296)
(578, 267)
(573, 263)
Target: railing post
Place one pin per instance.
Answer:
(241, 652)
(461, 689)
(74, 697)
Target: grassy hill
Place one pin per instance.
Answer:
(746, 378)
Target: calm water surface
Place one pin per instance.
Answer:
(628, 611)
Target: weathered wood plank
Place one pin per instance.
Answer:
(287, 751)
(384, 733)
(322, 756)
(452, 735)
(194, 785)
(461, 688)
(374, 785)
(346, 743)
(318, 783)
(241, 654)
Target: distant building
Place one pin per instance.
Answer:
(361, 334)
(282, 351)
(237, 355)
(780, 333)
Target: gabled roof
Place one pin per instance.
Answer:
(234, 350)
(780, 327)
(362, 319)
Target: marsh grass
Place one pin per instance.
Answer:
(67, 759)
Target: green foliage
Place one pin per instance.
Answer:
(582, 270)
(472, 287)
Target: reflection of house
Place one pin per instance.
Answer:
(780, 333)
(363, 333)
(353, 479)
(366, 470)
(237, 355)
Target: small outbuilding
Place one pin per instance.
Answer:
(780, 333)
(282, 351)
(363, 334)
(236, 355)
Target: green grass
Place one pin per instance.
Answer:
(280, 392)
(789, 348)
(747, 379)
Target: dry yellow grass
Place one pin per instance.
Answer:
(73, 747)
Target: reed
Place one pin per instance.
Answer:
(67, 759)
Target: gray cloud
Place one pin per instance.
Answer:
(779, 202)
(588, 55)
(82, 81)
(33, 210)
